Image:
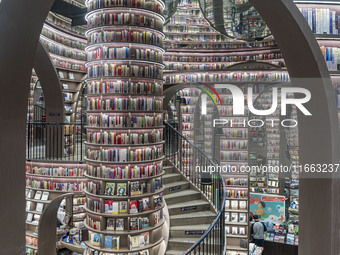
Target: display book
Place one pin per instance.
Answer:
(124, 200)
(281, 235)
(37, 198)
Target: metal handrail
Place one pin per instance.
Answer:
(55, 141)
(220, 218)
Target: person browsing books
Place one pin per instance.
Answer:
(258, 229)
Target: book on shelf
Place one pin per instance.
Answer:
(234, 204)
(110, 189)
(110, 224)
(146, 204)
(234, 217)
(143, 222)
(65, 86)
(71, 76)
(61, 75)
(121, 189)
(36, 218)
(28, 205)
(227, 216)
(120, 225)
(39, 207)
(157, 201)
(134, 224)
(243, 205)
(29, 193)
(45, 196)
(144, 239)
(157, 217)
(108, 242)
(290, 239)
(29, 217)
(38, 195)
(123, 207)
(133, 206)
(134, 242)
(135, 188)
(95, 239)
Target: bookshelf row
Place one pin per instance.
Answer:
(222, 76)
(125, 103)
(122, 86)
(122, 16)
(127, 120)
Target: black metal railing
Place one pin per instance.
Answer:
(55, 141)
(39, 114)
(199, 170)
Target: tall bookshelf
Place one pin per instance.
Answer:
(125, 127)
(234, 153)
(44, 182)
(67, 51)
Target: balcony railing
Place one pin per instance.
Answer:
(55, 141)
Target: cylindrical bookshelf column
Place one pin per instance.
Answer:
(124, 126)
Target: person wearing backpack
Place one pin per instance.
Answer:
(258, 229)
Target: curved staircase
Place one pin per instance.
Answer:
(190, 212)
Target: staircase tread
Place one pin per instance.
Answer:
(182, 240)
(174, 252)
(203, 227)
(171, 175)
(178, 183)
(188, 203)
(193, 215)
(181, 193)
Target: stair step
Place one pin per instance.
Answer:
(204, 217)
(172, 177)
(169, 169)
(175, 187)
(174, 252)
(182, 196)
(188, 207)
(191, 231)
(181, 243)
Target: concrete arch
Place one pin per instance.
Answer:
(318, 134)
(50, 83)
(47, 226)
(20, 26)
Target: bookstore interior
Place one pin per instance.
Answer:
(169, 127)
